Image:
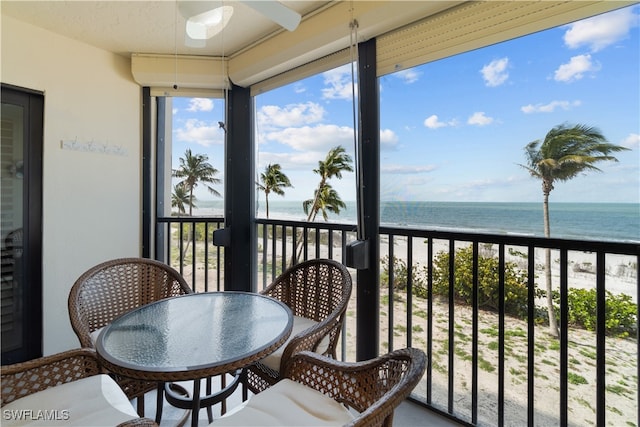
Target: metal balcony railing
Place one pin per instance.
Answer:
(493, 359)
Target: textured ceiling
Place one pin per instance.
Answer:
(154, 27)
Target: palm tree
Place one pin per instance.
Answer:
(180, 199)
(325, 199)
(566, 152)
(194, 169)
(336, 162)
(273, 181)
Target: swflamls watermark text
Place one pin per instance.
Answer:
(36, 414)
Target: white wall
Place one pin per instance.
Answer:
(92, 200)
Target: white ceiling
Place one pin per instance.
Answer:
(152, 27)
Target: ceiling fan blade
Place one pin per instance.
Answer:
(277, 12)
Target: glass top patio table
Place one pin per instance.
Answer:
(194, 336)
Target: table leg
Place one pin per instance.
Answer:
(159, 402)
(195, 411)
(245, 385)
(209, 408)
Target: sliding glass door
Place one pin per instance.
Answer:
(21, 224)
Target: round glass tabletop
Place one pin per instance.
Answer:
(195, 331)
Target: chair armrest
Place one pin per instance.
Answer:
(139, 422)
(374, 387)
(23, 379)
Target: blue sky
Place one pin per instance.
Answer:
(455, 129)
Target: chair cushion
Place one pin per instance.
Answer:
(91, 401)
(287, 403)
(300, 324)
(94, 336)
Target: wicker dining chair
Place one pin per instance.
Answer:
(113, 288)
(69, 386)
(317, 292)
(317, 390)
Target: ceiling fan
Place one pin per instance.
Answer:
(203, 21)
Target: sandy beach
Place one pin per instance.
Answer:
(621, 354)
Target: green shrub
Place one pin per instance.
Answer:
(401, 275)
(515, 283)
(620, 311)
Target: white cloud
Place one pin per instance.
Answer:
(550, 107)
(407, 169)
(388, 139)
(291, 115)
(601, 31)
(479, 119)
(291, 161)
(432, 122)
(200, 104)
(495, 73)
(316, 138)
(409, 76)
(201, 133)
(632, 141)
(575, 68)
(339, 82)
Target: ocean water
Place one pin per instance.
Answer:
(591, 221)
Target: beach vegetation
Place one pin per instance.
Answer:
(588, 354)
(485, 365)
(515, 282)
(615, 410)
(585, 403)
(421, 313)
(620, 311)
(576, 379)
(273, 180)
(401, 277)
(566, 152)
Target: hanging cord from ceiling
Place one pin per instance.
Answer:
(175, 45)
(225, 82)
(357, 139)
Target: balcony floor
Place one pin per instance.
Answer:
(408, 413)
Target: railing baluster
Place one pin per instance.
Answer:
(430, 318)
(451, 349)
(409, 291)
(601, 318)
(206, 256)
(283, 260)
(501, 335)
(391, 281)
(474, 351)
(564, 337)
(531, 315)
(265, 231)
(274, 255)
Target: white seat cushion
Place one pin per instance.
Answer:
(300, 324)
(287, 403)
(91, 401)
(94, 336)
